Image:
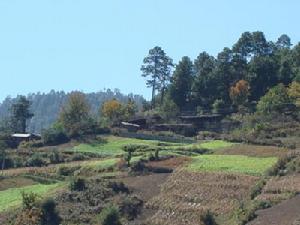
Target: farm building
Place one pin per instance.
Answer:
(25, 137)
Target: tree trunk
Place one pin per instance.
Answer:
(3, 161)
(162, 95)
(23, 126)
(153, 95)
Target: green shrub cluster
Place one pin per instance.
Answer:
(110, 216)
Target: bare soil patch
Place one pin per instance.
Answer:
(254, 150)
(171, 163)
(285, 213)
(15, 182)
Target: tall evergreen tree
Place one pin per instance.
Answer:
(157, 67)
(181, 82)
(284, 41)
(20, 113)
(204, 85)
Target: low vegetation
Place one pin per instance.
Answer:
(232, 164)
(12, 197)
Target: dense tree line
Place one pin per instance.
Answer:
(238, 75)
(46, 107)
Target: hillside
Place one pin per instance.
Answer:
(46, 106)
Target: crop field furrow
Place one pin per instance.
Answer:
(188, 194)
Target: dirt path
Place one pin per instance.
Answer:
(145, 187)
(285, 213)
(148, 186)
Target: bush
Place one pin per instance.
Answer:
(29, 200)
(256, 190)
(54, 136)
(78, 157)
(131, 207)
(208, 219)
(8, 162)
(118, 187)
(280, 166)
(49, 214)
(55, 157)
(77, 184)
(137, 167)
(31, 144)
(207, 135)
(218, 106)
(110, 216)
(36, 160)
(67, 170)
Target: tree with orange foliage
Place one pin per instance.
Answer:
(239, 93)
(112, 110)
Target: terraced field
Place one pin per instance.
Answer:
(231, 164)
(209, 176)
(12, 197)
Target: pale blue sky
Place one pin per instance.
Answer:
(89, 45)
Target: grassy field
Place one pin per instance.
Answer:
(12, 197)
(112, 146)
(216, 144)
(232, 163)
(101, 164)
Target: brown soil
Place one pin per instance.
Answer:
(285, 213)
(15, 182)
(254, 150)
(148, 186)
(145, 187)
(171, 163)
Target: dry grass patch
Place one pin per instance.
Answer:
(188, 195)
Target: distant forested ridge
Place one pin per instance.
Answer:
(46, 106)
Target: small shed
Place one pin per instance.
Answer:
(19, 137)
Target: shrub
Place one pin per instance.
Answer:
(207, 218)
(54, 136)
(49, 213)
(55, 157)
(257, 189)
(151, 157)
(78, 157)
(129, 149)
(118, 187)
(218, 106)
(131, 207)
(36, 160)
(137, 167)
(31, 144)
(67, 170)
(280, 166)
(207, 135)
(29, 200)
(77, 184)
(19, 162)
(8, 162)
(110, 216)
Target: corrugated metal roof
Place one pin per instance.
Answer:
(21, 135)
